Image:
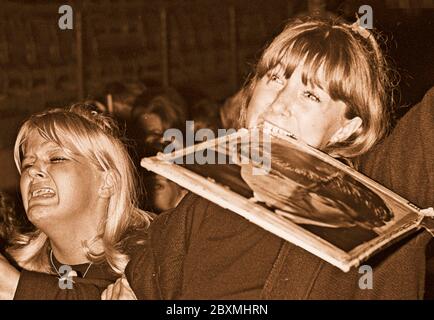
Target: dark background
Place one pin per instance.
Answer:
(197, 46)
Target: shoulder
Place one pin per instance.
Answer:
(191, 208)
(420, 118)
(160, 259)
(404, 161)
(171, 232)
(414, 127)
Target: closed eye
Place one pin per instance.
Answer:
(311, 96)
(57, 159)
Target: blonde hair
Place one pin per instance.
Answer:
(355, 69)
(95, 136)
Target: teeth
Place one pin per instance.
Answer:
(275, 128)
(42, 192)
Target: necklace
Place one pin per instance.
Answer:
(57, 271)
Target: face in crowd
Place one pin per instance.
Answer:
(326, 83)
(304, 109)
(57, 185)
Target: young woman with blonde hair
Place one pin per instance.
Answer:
(327, 83)
(78, 190)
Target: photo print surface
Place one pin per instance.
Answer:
(302, 194)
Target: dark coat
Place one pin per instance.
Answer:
(404, 162)
(160, 270)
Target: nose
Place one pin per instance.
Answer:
(281, 107)
(36, 171)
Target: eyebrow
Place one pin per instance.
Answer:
(55, 147)
(26, 158)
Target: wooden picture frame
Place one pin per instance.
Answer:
(346, 242)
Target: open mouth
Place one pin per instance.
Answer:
(274, 127)
(42, 193)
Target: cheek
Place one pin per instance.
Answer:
(260, 101)
(77, 196)
(335, 115)
(319, 128)
(24, 188)
(332, 123)
(315, 123)
(312, 128)
(78, 184)
(174, 190)
(162, 199)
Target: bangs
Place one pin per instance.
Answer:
(47, 130)
(323, 55)
(74, 137)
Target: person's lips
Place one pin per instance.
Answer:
(280, 122)
(44, 192)
(38, 191)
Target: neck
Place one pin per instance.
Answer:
(68, 246)
(67, 234)
(69, 254)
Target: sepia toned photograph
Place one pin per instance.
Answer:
(212, 157)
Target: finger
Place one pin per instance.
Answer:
(121, 289)
(104, 295)
(127, 293)
(109, 293)
(117, 289)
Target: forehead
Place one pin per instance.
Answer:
(313, 76)
(311, 51)
(36, 142)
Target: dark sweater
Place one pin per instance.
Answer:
(41, 286)
(201, 251)
(404, 162)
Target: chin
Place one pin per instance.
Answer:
(39, 216)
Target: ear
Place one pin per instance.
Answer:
(349, 127)
(108, 185)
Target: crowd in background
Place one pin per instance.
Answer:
(143, 112)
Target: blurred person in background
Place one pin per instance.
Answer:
(205, 114)
(120, 98)
(12, 220)
(154, 111)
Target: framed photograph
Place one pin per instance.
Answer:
(295, 191)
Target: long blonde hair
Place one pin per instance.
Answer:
(94, 136)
